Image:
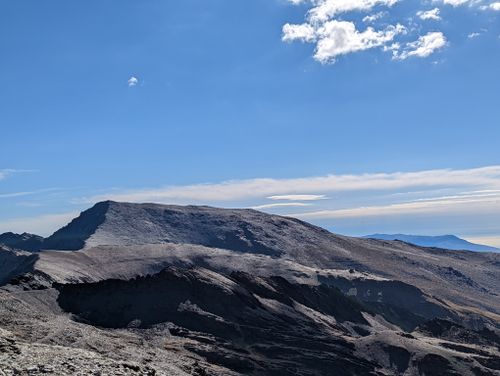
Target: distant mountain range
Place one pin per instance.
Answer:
(444, 241)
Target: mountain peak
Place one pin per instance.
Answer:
(74, 235)
(242, 230)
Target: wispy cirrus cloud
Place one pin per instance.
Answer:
(468, 200)
(298, 197)
(458, 204)
(261, 188)
(460, 201)
(280, 205)
(27, 193)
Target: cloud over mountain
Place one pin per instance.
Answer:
(470, 196)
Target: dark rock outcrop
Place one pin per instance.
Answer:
(24, 242)
(14, 264)
(400, 303)
(449, 330)
(268, 326)
(74, 235)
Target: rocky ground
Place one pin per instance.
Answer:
(199, 322)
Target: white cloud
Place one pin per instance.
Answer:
(336, 38)
(432, 14)
(394, 47)
(27, 193)
(341, 37)
(424, 46)
(473, 35)
(303, 32)
(279, 205)
(133, 81)
(16, 194)
(495, 6)
(469, 195)
(456, 3)
(373, 17)
(333, 26)
(324, 10)
(237, 190)
(298, 197)
(457, 205)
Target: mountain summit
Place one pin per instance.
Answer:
(241, 230)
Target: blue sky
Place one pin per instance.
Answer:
(147, 100)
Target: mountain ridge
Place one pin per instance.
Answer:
(24, 241)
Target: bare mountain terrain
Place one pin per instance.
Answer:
(157, 289)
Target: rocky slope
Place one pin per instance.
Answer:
(197, 290)
(199, 322)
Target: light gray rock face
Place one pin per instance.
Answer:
(204, 291)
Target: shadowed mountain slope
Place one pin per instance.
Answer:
(240, 327)
(25, 241)
(15, 263)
